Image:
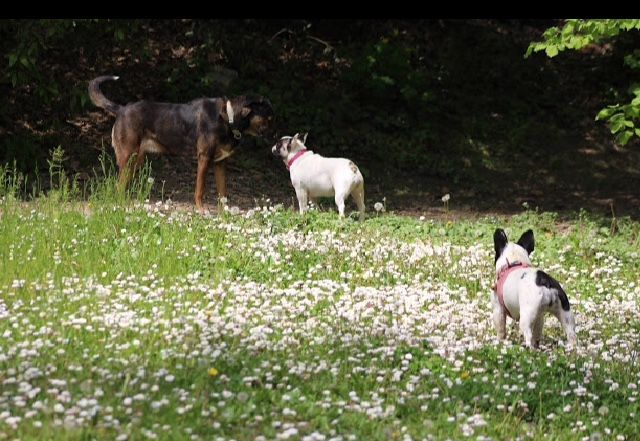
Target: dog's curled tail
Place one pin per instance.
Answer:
(98, 98)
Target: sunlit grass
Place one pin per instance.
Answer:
(123, 319)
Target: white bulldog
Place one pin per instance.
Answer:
(525, 293)
(313, 175)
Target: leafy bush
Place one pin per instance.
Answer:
(577, 34)
(385, 72)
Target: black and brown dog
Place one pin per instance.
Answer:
(210, 127)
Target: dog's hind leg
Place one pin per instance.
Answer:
(128, 164)
(569, 325)
(203, 167)
(528, 318)
(537, 331)
(358, 196)
(339, 198)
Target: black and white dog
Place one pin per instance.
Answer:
(525, 293)
(313, 175)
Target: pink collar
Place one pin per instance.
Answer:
(295, 157)
(503, 274)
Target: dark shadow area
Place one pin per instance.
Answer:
(424, 107)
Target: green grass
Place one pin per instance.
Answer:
(112, 315)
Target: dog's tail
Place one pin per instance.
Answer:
(98, 98)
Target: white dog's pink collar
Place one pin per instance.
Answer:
(502, 278)
(295, 157)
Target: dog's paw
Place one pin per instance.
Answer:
(203, 211)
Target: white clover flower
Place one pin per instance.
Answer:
(234, 210)
(223, 200)
(378, 206)
(150, 180)
(446, 197)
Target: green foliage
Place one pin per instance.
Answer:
(29, 40)
(622, 119)
(576, 34)
(385, 73)
(23, 149)
(11, 180)
(62, 189)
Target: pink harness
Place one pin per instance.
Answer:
(502, 278)
(295, 157)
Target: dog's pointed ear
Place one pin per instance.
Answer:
(500, 241)
(527, 241)
(304, 137)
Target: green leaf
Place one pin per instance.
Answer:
(624, 137)
(617, 124)
(551, 51)
(604, 114)
(12, 59)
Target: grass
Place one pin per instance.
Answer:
(122, 319)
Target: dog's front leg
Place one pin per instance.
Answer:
(303, 198)
(499, 317)
(203, 167)
(220, 174)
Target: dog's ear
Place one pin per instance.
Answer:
(304, 137)
(527, 241)
(245, 111)
(500, 241)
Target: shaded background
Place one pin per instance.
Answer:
(424, 107)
